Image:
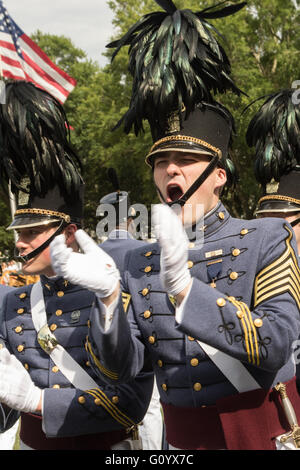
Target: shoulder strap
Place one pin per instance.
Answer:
(232, 368)
(67, 365)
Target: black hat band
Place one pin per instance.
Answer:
(177, 142)
(277, 203)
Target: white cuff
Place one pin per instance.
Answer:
(179, 310)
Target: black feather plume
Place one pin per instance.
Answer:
(34, 142)
(113, 178)
(175, 60)
(275, 132)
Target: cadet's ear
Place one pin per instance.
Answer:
(70, 234)
(221, 178)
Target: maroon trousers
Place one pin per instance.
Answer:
(247, 421)
(32, 435)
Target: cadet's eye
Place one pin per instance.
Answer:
(160, 162)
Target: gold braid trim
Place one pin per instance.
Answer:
(283, 275)
(188, 139)
(249, 329)
(61, 215)
(116, 414)
(279, 198)
(108, 373)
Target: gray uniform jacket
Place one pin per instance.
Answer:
(8, 417)
(68, 411)
(118, 244)
(244, 301)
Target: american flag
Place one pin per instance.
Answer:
(22, 59)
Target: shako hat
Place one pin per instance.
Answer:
(274, 131)
(36, 158)
(37, 161)
(118, 199)
(177, 64)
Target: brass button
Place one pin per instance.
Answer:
(190, 338)
(53, 327)
(258, 322)
(160, 363)
(164, 387)
(115, 399)
(147, 314)
(81, 400)
(244, 231)
(149, 253)
(88, 364)
(236, 252)
(191, 245)
(233, 275)
(20, 311)
(240, 314)
(194, 362)
(97, 401)
(58, 313)
(190, 264)
(197, 387)
(26, 366)
(20, 348)
(23, 295)
(151, 339)
(56, 386)
(147, 269)
(18, 329)
(221, 215)
(145, 291)
(89, 323)
(55, 369)
(221, 302)
(60, 293)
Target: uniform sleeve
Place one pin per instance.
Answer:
(8, 416)
(72, 412)
(261, 333)
(117, 354)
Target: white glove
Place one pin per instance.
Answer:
(173, 241)
(92, 269)
(16, 387)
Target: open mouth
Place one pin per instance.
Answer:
(174, 192)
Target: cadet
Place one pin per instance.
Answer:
(8, 418)
(44, 371)
(276, 138)
(121, 215)
(204, 310)
(117, 216)
(275, 133)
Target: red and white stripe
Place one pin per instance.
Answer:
(36, 67)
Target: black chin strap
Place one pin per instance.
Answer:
(295, 222)
(208, 170)
(42, 247)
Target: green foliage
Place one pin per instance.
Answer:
(263, 44)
